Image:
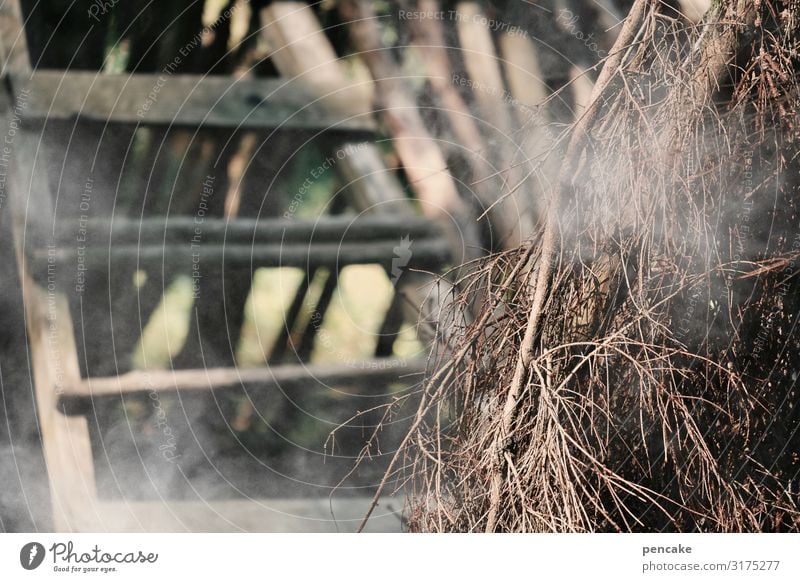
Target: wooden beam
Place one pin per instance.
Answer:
(184, 100)
(375, 371)
(422, 158)
(529, 90)
(300, 50)
(487, 183)
(525, 78)
(305, 346)
(483, 67)
(50, 337)
(250, 231)
(426, 253)
(13, 41)
(282, 342)
(373, 188)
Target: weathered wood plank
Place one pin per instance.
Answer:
(375, 371)
(300, 50)
(50, 338)
(51, 342)
(488, 88)
(487, 186)
(422, 157)
(528, 87)
(427, 253)
(290, 318)
(255, 231)
(185, 100)
(371, 187)
(13, 42)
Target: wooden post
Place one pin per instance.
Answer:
(300, 50)
(528, 89)
(51, 341)
(483, 67)
(422, 158)
(502, 212)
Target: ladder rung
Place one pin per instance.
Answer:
(189, 100)
(377, 370)
(251, 231)
(424, 254)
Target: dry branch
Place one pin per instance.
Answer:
(640, 376)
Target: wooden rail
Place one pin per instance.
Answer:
(427, 253)
(375, 371)
(249, 231)
(185, 100)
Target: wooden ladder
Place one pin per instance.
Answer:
(63, 396)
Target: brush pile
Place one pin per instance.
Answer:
(634, 366)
